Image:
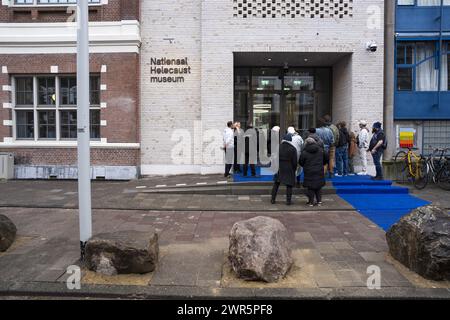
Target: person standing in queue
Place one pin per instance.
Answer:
(313, 160)
(228, 147)
(342, 150)
(251, 138)
(238, 147)
(377, 146)
(326, 135)
(287, 167)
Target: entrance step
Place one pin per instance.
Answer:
(382, 190)
(229, 189)
(356, 183)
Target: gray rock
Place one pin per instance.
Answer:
(260, 250)
(123, 252)
(8, 233)
(421, 242)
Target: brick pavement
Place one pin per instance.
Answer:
(331, 249)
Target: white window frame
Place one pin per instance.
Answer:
(36, 107)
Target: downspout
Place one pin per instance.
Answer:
(389, 74)
(440, 54)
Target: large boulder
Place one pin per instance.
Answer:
(7, 233)
(421, 242)
(124, 252)
(260, 250)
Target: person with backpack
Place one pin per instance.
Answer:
(377, 145)
(362, 142)
(333, 148)
(326, 135)
(342, 150)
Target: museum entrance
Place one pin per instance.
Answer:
(281, 96)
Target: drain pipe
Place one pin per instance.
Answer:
(389, 74)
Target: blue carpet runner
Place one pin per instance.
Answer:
(379, 201)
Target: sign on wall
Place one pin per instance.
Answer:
(166, 70)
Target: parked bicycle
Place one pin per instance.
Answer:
(412, 167)
(421, 170)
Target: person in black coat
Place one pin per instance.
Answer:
(287, 168)
(312, 160)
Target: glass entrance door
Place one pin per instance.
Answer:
(268, 97)
(300, 110)
(266, 110)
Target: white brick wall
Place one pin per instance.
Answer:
(208, 33)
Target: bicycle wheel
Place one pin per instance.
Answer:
(401, 166)
(443, 177)
(420, 168)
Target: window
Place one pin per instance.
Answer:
(68, 91)
(49, 105)
(422, 3)
(25, 124)
(68, 124)
(418, 67)
(47, 124)
(47, 91)
(94, 90)
(95, 124)
(24, 91)
(404, 79)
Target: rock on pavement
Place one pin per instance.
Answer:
(123, 252)
(421, 242)
(8, 233)
(260, 249)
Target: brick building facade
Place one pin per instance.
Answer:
(167, 75)
(237, 51)
(38, 81)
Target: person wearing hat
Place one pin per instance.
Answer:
(376, 148)
(362, 142)
(287, 166)
(313, 159)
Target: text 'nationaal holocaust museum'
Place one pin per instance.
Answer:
(166, 77)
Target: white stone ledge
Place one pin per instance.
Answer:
(65, 144)
(60, 37)
(167, 170)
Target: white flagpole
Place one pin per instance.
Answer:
(84, 171)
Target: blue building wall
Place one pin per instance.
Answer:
(418, 23)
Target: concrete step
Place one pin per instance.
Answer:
(232, 189)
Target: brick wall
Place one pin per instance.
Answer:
(115, 10)
(68, 157)
(121, 95)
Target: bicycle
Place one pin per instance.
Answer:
(412, 167)
(436, 161)
(443, 175)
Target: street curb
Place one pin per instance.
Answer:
(59, 290)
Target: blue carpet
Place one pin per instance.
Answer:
(379, 201)
(262, 175)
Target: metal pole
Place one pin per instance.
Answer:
(439, 59)
(389, 74)
(84, 169)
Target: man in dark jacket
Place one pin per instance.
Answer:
(287, 168)
(342, 150)
(313, 159)
(376, 148)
